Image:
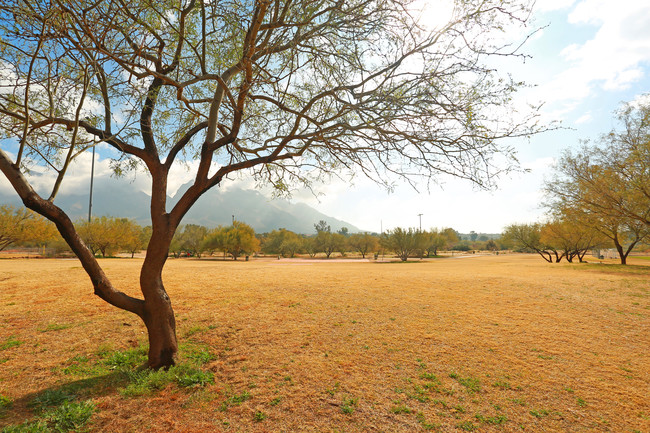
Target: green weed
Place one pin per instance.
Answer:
(259, 416)
(70, 416)
(472, 384)
(235, 400)
(467, 426)
(426, 425)
(55, 327)
(539, 413)
(348, 405)
(400, 409)
(10, 342)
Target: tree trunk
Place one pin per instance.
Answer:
(161, 328)
(158, 315)
(621, 253)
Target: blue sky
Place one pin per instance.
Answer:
(590, 56)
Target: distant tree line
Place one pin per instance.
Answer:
(108, 236)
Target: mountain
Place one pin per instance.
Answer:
(216, 207)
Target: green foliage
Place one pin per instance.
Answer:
(259, 416)
(235, 240)
(22, 226)
(404, 242)
(108, 235)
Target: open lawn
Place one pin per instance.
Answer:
(497, 343)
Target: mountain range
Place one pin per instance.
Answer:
(216, 207)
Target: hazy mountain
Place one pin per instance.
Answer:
(216, 207)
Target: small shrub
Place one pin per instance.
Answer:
(259, 416)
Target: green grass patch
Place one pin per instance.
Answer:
(70, 416)
(50, 398)
(55, 327)
(348, 405)
(472, 384)
(235, 400)
(399, 409)
(10, 342)
(145, 382)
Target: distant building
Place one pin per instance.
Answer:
(609, 253)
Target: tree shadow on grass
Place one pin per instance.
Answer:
(29, 407)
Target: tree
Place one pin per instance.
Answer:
(490, 245)
(100, 234)
(22, 225)
(434, 240)
(268, 87)
(528, 237)
(451, 237)
(610, 180)
(322, 226)
(283, 241)
(192, 239)
(239, 239)
(364, 243)
(403, 242)
(570, 237)
(328, 242)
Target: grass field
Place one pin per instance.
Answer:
(497, 343)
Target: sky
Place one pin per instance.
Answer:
(589, 57)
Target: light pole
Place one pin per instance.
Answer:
(92, 175)
(420, 215)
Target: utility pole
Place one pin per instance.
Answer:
(233, 220)
(92, 175)
(420, 215)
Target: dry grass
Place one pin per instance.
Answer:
(498, 343)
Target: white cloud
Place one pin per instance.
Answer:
(552, 5)
(612, 60)
(585, 118)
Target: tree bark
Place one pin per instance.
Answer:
(158, 314)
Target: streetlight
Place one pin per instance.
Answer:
(92, 175)
(420, 215)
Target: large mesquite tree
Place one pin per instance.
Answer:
(283, 90)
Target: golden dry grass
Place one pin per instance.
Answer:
(514, 343)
